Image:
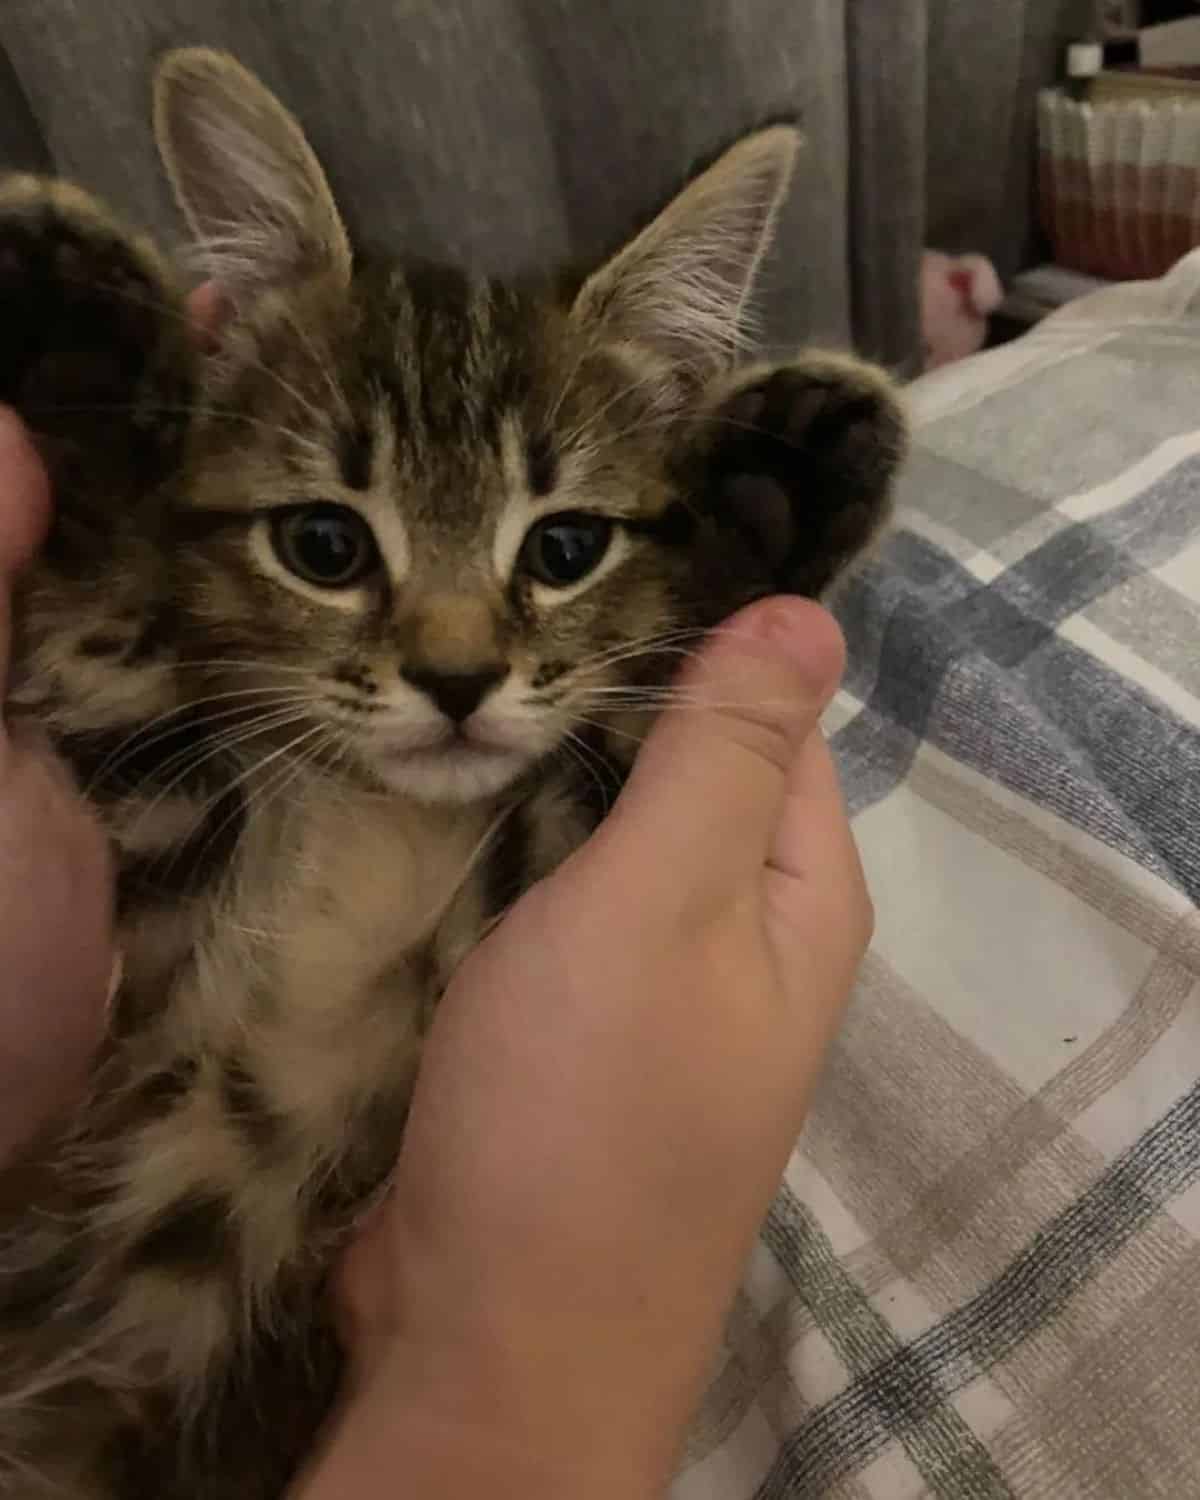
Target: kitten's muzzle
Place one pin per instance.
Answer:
(456, 694)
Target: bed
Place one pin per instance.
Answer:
(981, 1277)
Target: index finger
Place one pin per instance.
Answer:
(24, 515)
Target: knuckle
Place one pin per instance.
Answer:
(767, 737)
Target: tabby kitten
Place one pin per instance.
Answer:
(353, 612)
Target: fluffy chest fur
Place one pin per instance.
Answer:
(364, 584)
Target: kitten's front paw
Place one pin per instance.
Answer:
(800, 460)
(94, 348)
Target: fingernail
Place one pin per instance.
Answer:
(809, 635)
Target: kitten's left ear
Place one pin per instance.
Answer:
(245, 177)
(681, 286)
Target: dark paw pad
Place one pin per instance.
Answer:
(799, 462)
(92, 339)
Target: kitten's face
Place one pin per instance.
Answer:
(429, 530)
(440, 530)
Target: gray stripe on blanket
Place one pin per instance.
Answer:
(953, 1462)
(904, 1389)
(937, 656)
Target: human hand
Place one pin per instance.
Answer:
(609, 1096)
(55, 915)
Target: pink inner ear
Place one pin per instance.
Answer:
(209, 310)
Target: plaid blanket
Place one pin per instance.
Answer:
(982, 1275)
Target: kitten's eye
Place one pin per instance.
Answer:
(329, 545)
(562, 549)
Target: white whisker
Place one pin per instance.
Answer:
(136, 743)
(276, 719)
(634, 739)
(589, 760)
(262, 797)
(245, 664)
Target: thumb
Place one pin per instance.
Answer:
(24, 508)
(705, 797)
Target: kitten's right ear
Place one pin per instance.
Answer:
(245, 177)
(681, 286)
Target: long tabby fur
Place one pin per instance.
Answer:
(305, 845)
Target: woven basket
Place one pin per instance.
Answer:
(1119, 184)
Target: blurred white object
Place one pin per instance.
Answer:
(1174, 44)
(1084, 60)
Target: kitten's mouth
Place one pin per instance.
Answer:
(456, 767)
(454, 739)
(455, 745)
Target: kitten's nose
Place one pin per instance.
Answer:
(457, 694)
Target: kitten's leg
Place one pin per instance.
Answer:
(96, 356)
(798, 460)
(95, 351)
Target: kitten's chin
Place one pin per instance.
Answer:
(451, 773)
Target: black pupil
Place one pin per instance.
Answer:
(568, 550)
(327, 547)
